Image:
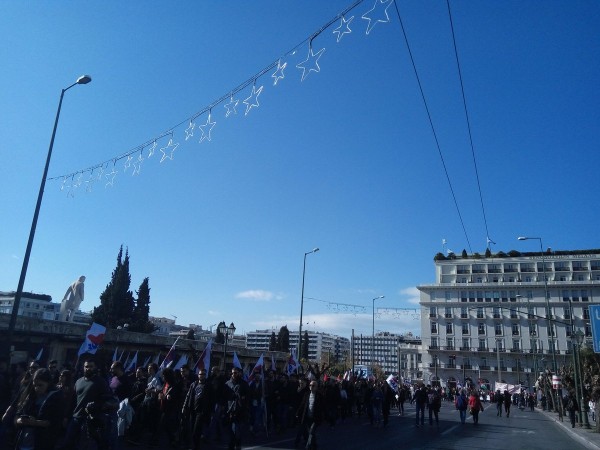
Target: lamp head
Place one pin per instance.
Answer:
(315, 250)
(522, 238)
(84, 79)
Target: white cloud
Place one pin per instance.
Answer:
(212, 312)
(257, 295)
(411, 295)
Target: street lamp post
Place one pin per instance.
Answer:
(548, 313)
(314, 250)
(373, 333)
(226, 331)
(578, 339)
(498, 358)
(84, 79)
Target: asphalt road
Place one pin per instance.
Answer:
(522, 430)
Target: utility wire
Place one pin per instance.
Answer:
(437, 143)
(462, 88)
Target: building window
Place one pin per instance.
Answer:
(433, 311)
(481, 328)
(532, 329)
(448, 295)
(504, 295)
(434, 342)
(471, 296)
(530, 312)
(575, 296)
(516, 345)
(482, 344)
(496, 296)
(565, 295)
(515, 329)
(479, 294)
(588, 330)
(584, 295)
(433, 327)
(466, 344)
(448, 313)
(465, 328)
(496, 312)
(500, 344)
(498, 329)
(527, 279)
(488, 296)
(463, 296)
(586, 313)
(567, 313)
(449, 329)
(480, 314)
(450, 344)
(464, 312)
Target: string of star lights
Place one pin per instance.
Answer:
(200, 127)
(347, 308)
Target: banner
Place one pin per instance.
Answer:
(93, 338)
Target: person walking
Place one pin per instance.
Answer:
(310, 414)
(475, 406)
(572, 407)
(434, 403)
(462, 403)
(499, 399)
(420, 402)
(507, 402)
(236, 414)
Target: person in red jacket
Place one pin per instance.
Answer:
(475, 406)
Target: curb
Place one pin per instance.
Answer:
(565, 426)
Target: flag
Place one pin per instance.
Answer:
(146, 362)
(115, 354)
(246, 372)
(204, 360)
(273, 366)
(183, 360)
(258, 367)
(38, 358)
(393, 382)
(292, 364)
(122, 353)
(236, 361)
(126, 363)
(132, 364)
(93, 338)
(170, 356)
(157, 359)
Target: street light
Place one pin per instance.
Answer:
(84, 79)
(226, 331)
(314, 250)
(373, 332)
(577, 338)
(548, 320)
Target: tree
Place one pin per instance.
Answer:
(116, 302)
(141, 311)
(304, 347)
(464, 254)
(283, 339)
(273, 342)
(488, 253)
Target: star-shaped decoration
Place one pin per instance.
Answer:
(311, 63)
(231, 106)
(100, 173)
(151, 149)
(189, 131)
(168, 150)
(253, 99)
(128, 163)
(278, 74)
(111, 177)
(137, 165)
(90, 182)
(378, 13)
(344, 28)
(206, 129)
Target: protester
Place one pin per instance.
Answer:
(310, 414)
(236, 394)
(462, 403)
(475, 406)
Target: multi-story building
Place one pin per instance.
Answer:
(321, 346)
(38, 306)
(385, 350)
(505, 316)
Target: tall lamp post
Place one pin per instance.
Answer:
(226, 331)
(314, 250)
(373, 333)
(551, 333)
(84, 79)
(577, 338)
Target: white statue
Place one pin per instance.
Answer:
(72, 299)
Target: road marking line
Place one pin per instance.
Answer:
(449, 430)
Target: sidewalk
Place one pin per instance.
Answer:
(586, 437)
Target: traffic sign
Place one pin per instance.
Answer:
(595, 319)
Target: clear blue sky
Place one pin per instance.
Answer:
(344, 160)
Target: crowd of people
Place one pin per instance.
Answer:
(47, 409)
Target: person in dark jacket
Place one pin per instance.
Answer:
(420, 402)
(235, 393)
(310, 414)
(197, 407)
(572, 407)
(39, 414)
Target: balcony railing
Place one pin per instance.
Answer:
(448, 315)
(484, 367)
(465, 349)
(515, 350)
(464, 316)
(434, 347)
(482, 349)
(449, 347)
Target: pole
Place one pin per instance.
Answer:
(352, 350)
(302, 299)
(498, 357)
(19, 293)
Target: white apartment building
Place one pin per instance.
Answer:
(321, 346)
(486, 317)
(39, 306)
(386, 350)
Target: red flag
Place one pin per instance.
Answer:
(204, 360)
(170, 356)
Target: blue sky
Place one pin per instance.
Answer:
(344, 160)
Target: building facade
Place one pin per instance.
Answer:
(386, 350)
(506, 316)
(38, 306)
(321, 346)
